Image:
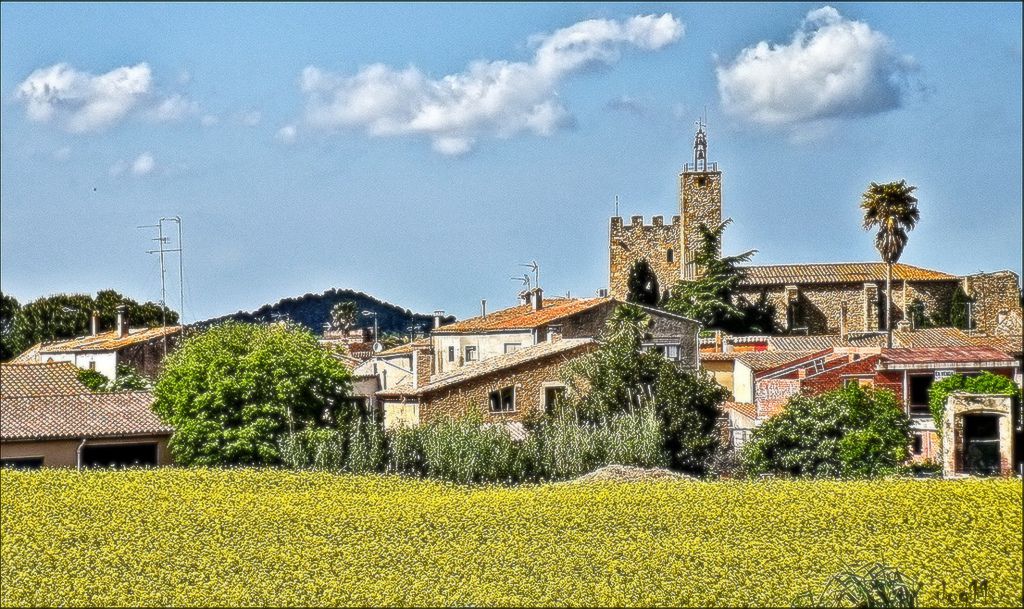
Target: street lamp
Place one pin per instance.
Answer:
(376, 342)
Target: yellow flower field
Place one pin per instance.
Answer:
(258, 537)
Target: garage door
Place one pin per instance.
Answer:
(119, 455)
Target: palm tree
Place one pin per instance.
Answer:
(343, 315)
(891, 207)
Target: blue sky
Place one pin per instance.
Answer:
(421, 152)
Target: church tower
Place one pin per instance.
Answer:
(700, 201)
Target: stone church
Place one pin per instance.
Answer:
(827, 298)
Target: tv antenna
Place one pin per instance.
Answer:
(533, 266)
(163, 250)
(525, 280)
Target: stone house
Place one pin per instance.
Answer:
(411, 377)
(141, 348)
(823, 298)
(504, 388)
(48, 418)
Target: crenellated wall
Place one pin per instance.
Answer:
(628, 244)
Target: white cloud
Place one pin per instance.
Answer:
(62, 154)
(80, 101)
(628, 104)
(251, 118)
(833, 68)
(143, 164)
(174, 108)
(209, 120)
(287, 134)
(499, 98)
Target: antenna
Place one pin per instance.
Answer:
(533, 266)
(163, 250)
(616, 206)
(525, 279)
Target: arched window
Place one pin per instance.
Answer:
(670, 255)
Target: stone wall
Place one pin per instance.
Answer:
(996, 300)
(821, 305)
(959, 405)
(657, 242)
(529, 381)
(700, 202)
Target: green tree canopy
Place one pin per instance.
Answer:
(233, 391)
(847, 432)
(343, 315)
(642, 284)
(711, 297)
(65, 316)
(11, 343)
(620, 376)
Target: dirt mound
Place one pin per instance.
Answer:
(628, 473)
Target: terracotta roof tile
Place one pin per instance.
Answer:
(839, 272)
(945, 355)
(406, 348)
(760, 361)
(88, 415)
(492, 365)
(28, 356)
(523, 317)
(804, 343)
(109, 341)
(719, 356)
(32, 380)
(745, 409)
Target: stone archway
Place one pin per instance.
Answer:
(977, 434)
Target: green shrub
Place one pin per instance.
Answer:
(874, 585)
(986, 382)
(849, 432)
(94, 380)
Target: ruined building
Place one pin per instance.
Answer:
(826, 298)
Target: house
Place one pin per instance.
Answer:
(821, 298)
(907, 372)
(141, 348)
(462, 366)
(504, 388)
(48, 418)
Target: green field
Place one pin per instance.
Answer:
(258, 537)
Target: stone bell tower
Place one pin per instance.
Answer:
(700, 200)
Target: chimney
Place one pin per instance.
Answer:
(483, 307)
(602, 293)
(536, 299)
(422, 362)
(719, 347)
(94, 323)
(122, 321)
(903, 325)
(438, 316)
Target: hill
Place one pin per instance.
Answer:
(314, 310)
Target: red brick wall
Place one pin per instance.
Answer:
(834, 378)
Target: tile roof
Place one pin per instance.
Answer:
(109, 341)
(28, 356)
(804, 343)
(33, 380)
(759, 361)
(523, 317)
(839, 272)
(746, 409)
(934, 356)
(719, 356)
(406, 348)
(492, 365)
(91, 415)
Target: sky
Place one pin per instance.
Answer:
(422, 153)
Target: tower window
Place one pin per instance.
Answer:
(670, 256)
(701, 181)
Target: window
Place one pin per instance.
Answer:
(670, 256)
(503, 400)
(470, 354)
(511, 347)
(22, 462)
(451, 354)
(919, 385)
(92, 365)
(918, 444)
(551, 395)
